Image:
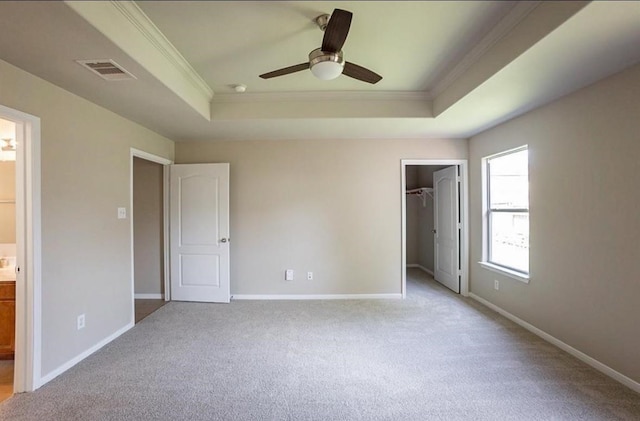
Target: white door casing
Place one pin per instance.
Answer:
(28, 353)
(199, 232)
(446, 223)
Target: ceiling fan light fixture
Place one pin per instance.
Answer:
(8, 144)
(326, 65)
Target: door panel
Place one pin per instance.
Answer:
(199, 270)
(447, 239)
(198, 210)
(199, 232)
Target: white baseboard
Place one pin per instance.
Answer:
(422, 268)
(314, 296)
(148, 296)
(64, 367)
(630, 383)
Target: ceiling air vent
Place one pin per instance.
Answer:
(106, 69)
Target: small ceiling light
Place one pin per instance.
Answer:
(240, 88)
(9, 145)
(8, 150)
(325, 65)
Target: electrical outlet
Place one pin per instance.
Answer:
(309, 276)
(122, 213)
(288, 275)
(496, 284)
(81, 321)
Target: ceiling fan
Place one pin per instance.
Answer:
(327, 62)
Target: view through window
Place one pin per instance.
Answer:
(508, 210)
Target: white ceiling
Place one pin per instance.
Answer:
(451, 69)
(409, 43)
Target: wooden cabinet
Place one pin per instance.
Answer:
(7, 319)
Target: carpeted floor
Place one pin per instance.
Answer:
(434, 356)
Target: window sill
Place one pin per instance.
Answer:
(506, 272)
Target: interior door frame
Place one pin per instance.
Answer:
(464, 213)
(179, 245)
(28, 333)
(136, 153)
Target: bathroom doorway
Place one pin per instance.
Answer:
(20, 143)
(8, 253)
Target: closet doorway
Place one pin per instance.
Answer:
(149, 233)
(434, 221)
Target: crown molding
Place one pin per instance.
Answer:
(322, 96)
(504, 27)
(146, 27)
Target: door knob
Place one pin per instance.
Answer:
(224, 240)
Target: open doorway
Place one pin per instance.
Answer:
(434, 224)
(20, 251)
(8, 254)
(148, 199)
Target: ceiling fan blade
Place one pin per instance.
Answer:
(285, 71)
(360, 73)
(336, 32)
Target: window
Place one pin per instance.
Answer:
(507, 212)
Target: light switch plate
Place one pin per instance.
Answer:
(288, 275)
(122, 213)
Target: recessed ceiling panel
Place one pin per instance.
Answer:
(410, 43)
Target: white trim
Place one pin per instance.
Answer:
(64, 367)
(519, 11)
(28, 336)
(605, 369)
(314, 296)
(464, 210)
(137, 153)
(315, 96)
(126, 25)
(150, 157)
(150, 31)
(422, 268)
(505, 272)
(148, 296)
(165, 236)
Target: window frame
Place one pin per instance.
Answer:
(486, 262)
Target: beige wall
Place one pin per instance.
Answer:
(331, 207)
(584, 153)
(420, 218)
(86, 251)
(424, 235)
(412, 222)
(148, 227)
(8, 210)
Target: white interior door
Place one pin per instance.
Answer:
(199, 232)
(447, 238)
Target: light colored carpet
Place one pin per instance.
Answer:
(434, 356)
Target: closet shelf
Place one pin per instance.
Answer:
(422, 193)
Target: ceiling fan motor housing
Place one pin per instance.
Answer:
(326, 65)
